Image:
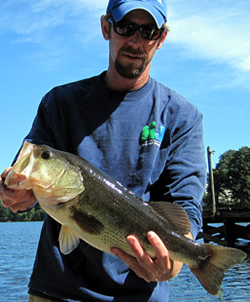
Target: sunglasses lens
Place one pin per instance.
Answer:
(124, 28)
(148, 32)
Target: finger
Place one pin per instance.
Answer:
(19, 207)
(5, 172)
(141, 256)
(9, 203)
(162, 254)
(17, 200)
(135, 246)
(157, 244)
(6, 196)
(145, 266)
(1, 183)
(2, 178)
(132, 263)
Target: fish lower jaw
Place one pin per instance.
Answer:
(15, 181)
(54, 201)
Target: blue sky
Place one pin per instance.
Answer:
(206, 58)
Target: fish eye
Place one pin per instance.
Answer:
(46, 155)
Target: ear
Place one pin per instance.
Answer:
(163, 37)
(105, 28)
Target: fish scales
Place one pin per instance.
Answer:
(126, 214)
(93, 207)
(136, 217)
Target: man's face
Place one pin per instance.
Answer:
(132, 55)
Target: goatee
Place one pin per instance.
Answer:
(132, 70)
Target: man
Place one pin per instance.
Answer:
(139, 132)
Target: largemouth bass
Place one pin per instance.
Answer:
(97, 209)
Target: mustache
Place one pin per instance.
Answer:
(135, 52)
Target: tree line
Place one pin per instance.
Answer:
(231, 185)
(231, 180)
(35, 214)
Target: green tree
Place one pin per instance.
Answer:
(36, 214)
(232, 179)
(4, 213)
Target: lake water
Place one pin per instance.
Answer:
(18, 243)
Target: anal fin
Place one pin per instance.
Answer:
(68, 241)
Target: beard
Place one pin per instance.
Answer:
(131, 70)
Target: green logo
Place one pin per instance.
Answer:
(149, 133)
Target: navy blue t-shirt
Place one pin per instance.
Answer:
(151, 141)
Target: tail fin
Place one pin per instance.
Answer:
(211, 272)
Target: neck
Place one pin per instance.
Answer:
(116, 82)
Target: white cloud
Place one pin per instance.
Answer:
(218, 31)
(48, 32)
(213, 30)
(33, 21)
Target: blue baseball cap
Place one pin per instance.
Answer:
(156, 8)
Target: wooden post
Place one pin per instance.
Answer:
(211, 175)
(229, 233)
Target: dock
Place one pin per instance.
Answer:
(233, 225)
(225, 223)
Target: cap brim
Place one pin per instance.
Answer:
(120, 11)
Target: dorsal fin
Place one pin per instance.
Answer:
(175, 215)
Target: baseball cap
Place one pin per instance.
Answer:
(156, 8)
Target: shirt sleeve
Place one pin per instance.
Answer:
(52, 123)
(41, 131)
(184, 176)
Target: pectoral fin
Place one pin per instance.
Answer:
(68, 241)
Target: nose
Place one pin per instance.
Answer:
(136, 38)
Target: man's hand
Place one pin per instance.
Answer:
(161, 268)
(16, 200)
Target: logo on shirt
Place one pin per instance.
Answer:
(150, 135)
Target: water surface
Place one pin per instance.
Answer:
(18, 243)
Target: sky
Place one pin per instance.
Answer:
(205, 58)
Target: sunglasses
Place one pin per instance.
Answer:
(126, 28)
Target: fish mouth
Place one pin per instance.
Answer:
(32, 172)
(18, 175)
